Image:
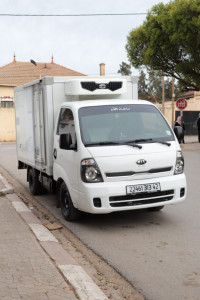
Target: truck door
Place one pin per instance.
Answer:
(38, 119)
(65, 161)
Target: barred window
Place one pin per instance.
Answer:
(7, 104)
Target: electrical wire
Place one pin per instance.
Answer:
(71, 15)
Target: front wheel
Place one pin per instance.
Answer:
(157, 208)
(69, 212)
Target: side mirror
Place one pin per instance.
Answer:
(66, 142)
(179, 132)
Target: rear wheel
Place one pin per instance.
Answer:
(157, 208)
(69, 212)
(35, 186)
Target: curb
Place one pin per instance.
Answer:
(83, 285)
(7, 188)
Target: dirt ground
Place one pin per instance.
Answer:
(109, 280)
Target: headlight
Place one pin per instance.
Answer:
(90, 171)
(179, 167)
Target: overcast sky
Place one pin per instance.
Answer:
(79, 43)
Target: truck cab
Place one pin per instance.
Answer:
(114, 156)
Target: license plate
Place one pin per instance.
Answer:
(142, 188)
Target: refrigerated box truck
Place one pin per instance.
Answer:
(90, 140)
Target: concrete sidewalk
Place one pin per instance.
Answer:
(190, 139)
(33, 265)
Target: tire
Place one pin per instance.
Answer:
(35, 186)
(157, 208)
(69, 212)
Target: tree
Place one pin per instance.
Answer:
(169, 41)
(155, 85)
(142, 86)
(124, 69)
(150, 86)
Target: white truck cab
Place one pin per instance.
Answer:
(99, 149)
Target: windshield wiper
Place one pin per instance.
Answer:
(142, 140)
(129, 143)
(164, 143)
(151, 141)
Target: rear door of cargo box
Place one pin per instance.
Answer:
(39, 126)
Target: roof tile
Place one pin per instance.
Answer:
(18, 73)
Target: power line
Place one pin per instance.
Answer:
(71, 15)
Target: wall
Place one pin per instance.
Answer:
(7, 125)
(7, 117)
(7, 91)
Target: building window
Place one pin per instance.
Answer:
(7, 104)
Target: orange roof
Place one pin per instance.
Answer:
(18, 72)
(188, 95)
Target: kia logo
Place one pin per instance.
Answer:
(141, 162)
(102, 86)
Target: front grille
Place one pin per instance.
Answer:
(131, 173)
(141, 198)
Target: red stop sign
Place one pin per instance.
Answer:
(181, 103)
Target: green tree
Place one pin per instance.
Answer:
(169, 41)
(155, 85)
(142, 86)
(150, 86)
(124, 69)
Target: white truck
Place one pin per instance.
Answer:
(101, 151)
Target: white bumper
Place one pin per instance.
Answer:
(111, 196)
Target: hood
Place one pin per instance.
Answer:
(123, 162)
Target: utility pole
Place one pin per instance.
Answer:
(173, 101)
(163, 93)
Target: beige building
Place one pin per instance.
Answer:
(17, 73)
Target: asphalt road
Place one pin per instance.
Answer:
(158, 252)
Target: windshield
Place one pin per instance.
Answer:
(123, 123)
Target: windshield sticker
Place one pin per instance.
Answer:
(168, 132)
(121, 108)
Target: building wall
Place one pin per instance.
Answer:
(7, 124)
(7, 116)
(7, 91)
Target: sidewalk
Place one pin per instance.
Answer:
(191, 143)
(191, 139)
(33, 265)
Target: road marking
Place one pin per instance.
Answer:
(5, 187)
(42, 233)
(83, 284)
(20, 206)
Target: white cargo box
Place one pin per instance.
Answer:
(38, 103)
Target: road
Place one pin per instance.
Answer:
(158, 252)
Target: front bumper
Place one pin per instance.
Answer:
(107, 197)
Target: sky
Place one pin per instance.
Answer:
(78, 43)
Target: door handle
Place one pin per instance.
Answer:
(55, 153)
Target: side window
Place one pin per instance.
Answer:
(66, 123)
